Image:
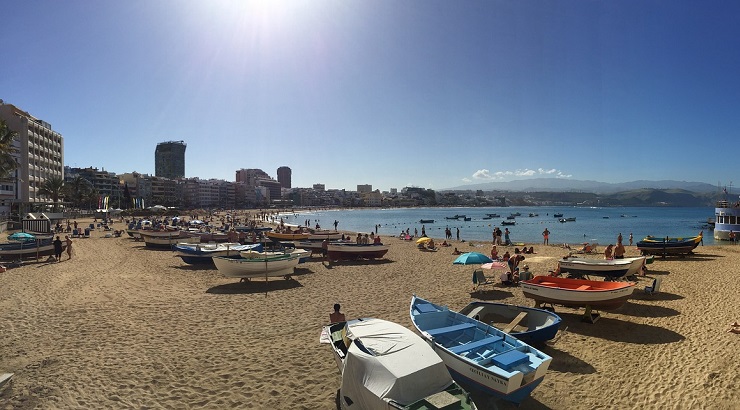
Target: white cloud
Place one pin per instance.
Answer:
(519, 173)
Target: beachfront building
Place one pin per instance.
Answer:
(40, 156)
(106, 184)
(140, 189)
(257, 178)
(208, 193)
(364, 189)
(283, 176)
(166, 192)
(169, 159)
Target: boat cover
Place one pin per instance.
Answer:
(389, 362)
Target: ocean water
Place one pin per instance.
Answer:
(593, 224)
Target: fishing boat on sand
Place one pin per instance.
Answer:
(478, 354)
(337, 251)
(384, 365)
(259, 266)
(608, 268)
(651, 245)
(577, 292)
(203, 253)
(30, 248)
(528, 324)
(165, 239)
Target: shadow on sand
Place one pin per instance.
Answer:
(254, 286)
(565, 362)
(645, 310)
(620, 331)
(491, 294)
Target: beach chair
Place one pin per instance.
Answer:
(655, 287)
(479, 279)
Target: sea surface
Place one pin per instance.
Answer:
(593, 224)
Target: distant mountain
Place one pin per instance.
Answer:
(573, 185)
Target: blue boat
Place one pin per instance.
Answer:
(478, 354)
(528, 324)
(652, 245)
(203, 253)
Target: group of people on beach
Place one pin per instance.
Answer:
(59, 247)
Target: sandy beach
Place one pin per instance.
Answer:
(123, 326)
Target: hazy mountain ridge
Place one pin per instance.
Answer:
(568, 185)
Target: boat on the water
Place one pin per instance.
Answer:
(726, 220)
(479, 354)
(203, 253)
(351, 251)
(608, 268)
(260, 266)
(508, 223)
(651, 245)
(595, 294)
(384, 365)
(528, 324)
(426, 221)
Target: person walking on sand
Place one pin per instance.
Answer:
(545, 237)
(68, 240)
(630, 238)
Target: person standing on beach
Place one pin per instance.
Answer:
(619, 238)
(545, 237)
(458, 233)
(68, 240)
(630, 238)
(58, 248)
(335, 224)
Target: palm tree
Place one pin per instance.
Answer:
(77, 190)
(7, 161)
(53, 188)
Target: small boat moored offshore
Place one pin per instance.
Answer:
(528, 324)
(384, 365)
(488, 359)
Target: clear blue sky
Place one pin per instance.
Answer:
(433, 94)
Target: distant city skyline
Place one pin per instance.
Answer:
(431, 94)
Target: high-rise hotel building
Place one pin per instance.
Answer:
(169, 159)
(284, 174)
(40, 156)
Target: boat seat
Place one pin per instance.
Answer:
(474, 345)
(449, 329)
(509, 359)
(583, 287)
(425, 308)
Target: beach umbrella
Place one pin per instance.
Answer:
(494, 265)
(472, 258)
(21, 237)
(423, 240)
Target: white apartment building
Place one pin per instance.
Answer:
(40, 156)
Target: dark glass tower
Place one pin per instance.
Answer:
(169, 159)
(283, 176)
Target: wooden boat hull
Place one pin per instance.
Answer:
(478, 354)
(23, 250)
(165, 240)
(351, 251)
(668, 246)
(537, 326)
(196, 254)
(610, 268)
(415, 384)
(577, 292)
(321, 235)
(238, 267)
(287, 236)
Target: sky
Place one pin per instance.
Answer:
(424, 93)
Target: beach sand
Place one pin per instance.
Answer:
(122, 326)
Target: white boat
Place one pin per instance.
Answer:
(199, 253)
(258, 267)
(726, 220)
(165, 239)
(384, 365)
(478, 354)
(609, 268)
(320, 235)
